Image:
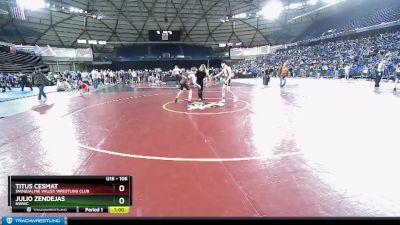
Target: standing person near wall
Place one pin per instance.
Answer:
(397, 77)
(40, 81)
(283, 72)
(266, 76)
(79, 76)
(103, 74)
(113, 77)
(3, 82)
(177, 73)
(379, 72)
(25, 82)
(134, 77)
(347, 71)
(95, 78)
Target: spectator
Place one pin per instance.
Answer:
(397, 76)
(41, 81)
(314, 58)
(95, 78)
(283, 72)
(379, 72)
(25, 82)
(3, 83)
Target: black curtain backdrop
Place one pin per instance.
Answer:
(162, 64)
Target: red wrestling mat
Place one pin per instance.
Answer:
(272, 153)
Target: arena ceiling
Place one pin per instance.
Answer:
(124, 22)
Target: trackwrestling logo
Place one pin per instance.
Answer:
(33, 220)
(203, 105)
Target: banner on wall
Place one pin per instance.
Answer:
(245, 53)
(57, 54)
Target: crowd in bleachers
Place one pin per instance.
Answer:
(356, 58)
(369, 14)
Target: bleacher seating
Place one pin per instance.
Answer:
(374, 13)
(196, 52)
(159, 49)
(325, 58)
(18, 62)
(132, 52)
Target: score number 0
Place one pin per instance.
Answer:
(121, 200)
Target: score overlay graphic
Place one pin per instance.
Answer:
(70, 194)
